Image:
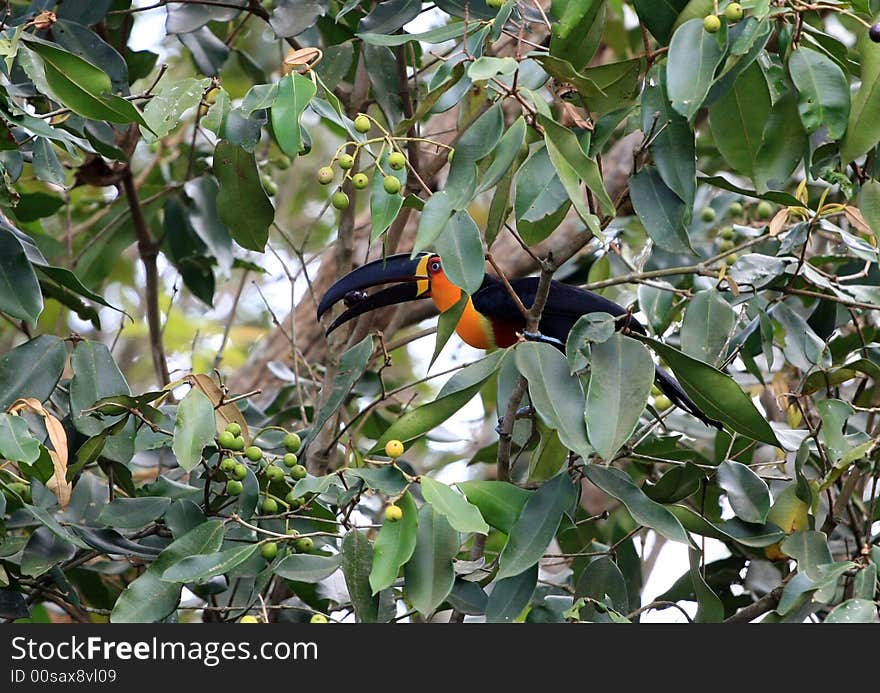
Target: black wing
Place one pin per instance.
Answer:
(565, 304)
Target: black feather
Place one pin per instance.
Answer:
(565, 305)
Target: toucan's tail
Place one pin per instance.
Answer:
(677, 396)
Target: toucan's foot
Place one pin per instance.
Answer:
(499, 429)
(538, 337)
(524, 412)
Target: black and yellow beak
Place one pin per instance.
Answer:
(410, 274)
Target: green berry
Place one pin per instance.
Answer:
(253, 453)
(346, 161)
(727, 233)
(293, 501)
(233, 428)
(339, 200)
(269, 506)
(226, 440)
(707, 215)
(396, 160)
(391, 185)
(238, 444)
(325, 175)
(662, 403)
(304, 544)
(731, 259)
(450, 156)
(274, 473)
(362, 124)
(269, 550)
(298, 472)
(292, 532)
(292, 442)
(733, 12)
(321, 618)
(239, 471)
(711, 24)
(290, 460)
(735, 209)
(360, 181)
(227, 465)
(764, 210)
(269, 186)
(725, 245)
(234, 488)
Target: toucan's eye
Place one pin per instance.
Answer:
(435, 266)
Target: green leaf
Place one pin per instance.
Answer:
(738, 118)
(621, 375)
(384, 207)
(556, 395)
(460, 247)
(385, 478)
(47, 167)
(869, 204)
(20, 295)
(694, 55)
(499, 502)
(715, 393)
(450, 31)
(357, 562)
(747, 534)
(241, 201)
(485, 68)
(834, 414)
(541, 200)
(164, 112)
(536, 526)
(204, 566)
(707, 326)
(194, 428)
(709, 606)
(461, 514)
(394, 545)
(149, 599)
(803, 348)
(672, 145)
(578, 31)
(810, 550)
(429, 574)
(457, 392)
(619, 485)
(603, 581)
(510, 596)
(661, 211)
(295, 91)
(352, 366)
(784, 145)
(863, 128)
(307, 567)
(82, 87)
(823, 91)
(659, 16)
(95, 376)
(854, 611)
(747, 492)
(16, 442)
(782, 198)
(588, 329)
(43, 551)
(656, 302)
(433, 219)
(132, 513)
(573, 165)
(506, 153)
(476, 142)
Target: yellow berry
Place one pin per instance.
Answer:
(393, 513)
(318, 618)
(711, 24)
(248, 619)
(394, 449)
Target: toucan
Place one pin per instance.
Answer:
(491, 318)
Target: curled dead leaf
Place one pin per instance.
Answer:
(301, 60)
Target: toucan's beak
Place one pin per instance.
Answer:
(410, 273)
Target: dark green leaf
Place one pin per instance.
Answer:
(204, 566)
(394, 545)
(16, 442)
(462, 250)
(43, 551)
(715, 393)
(383, 206)
(506, 152)
(747, 492)
(446, 325)
(618, 484)
(95, 376)
(578, 31)
(694, 55)
(429, 575)
(510, 596)
(306, 567)
(241, 202)
(709, 606)
(351, 368)
(603, 581)
(433, 219)
(661, 211)
(194, 428)
(357, 562)
(541, 200)
(863, 128)
(621, 375)
(500, 503)
(659, 16)
(536, 526)
(823, 91)
(132, 513)
(707, 326)
(20, 295)
(295, 91)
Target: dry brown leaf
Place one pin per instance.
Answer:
(226, 413)
(854, 215)
(301, 60)
(58, 484)
(777, 223)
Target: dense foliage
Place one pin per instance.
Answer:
(712, 165)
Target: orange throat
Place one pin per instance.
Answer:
(474, 328)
